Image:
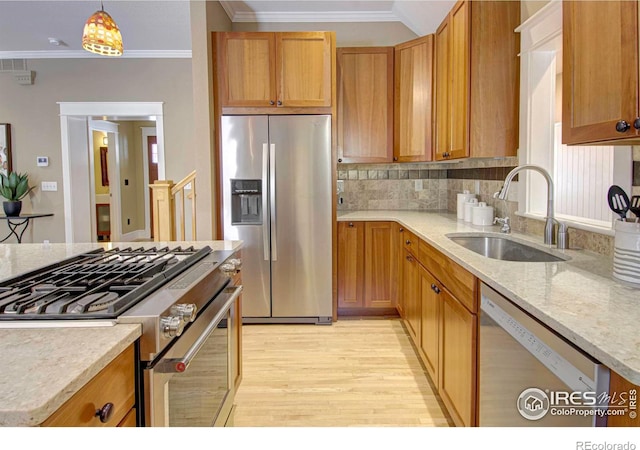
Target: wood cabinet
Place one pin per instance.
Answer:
(600, 72)
(476, 81)
(271, 70)
(440, 312)
(413, 103)
(400, 234)
(350, 264)
(365, 104)
(113, 388)
(430, 317)
(367, 267)
(458, 360)
(411, 295)
(625, 393)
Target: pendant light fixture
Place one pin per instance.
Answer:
(101, 34)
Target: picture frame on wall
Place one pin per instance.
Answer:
(6, 165)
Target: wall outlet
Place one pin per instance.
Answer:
(49, 186)
(418, 184)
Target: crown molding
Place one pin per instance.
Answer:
(315, 16)
(73, 54)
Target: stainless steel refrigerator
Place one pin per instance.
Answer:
(277, 199)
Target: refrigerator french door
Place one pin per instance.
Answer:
(276, 174)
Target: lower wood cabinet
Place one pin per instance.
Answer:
(411, 295)
(368, 269)
(111, 391)
(458, 356)
(620, 388)
(236, 332)
(430, 317)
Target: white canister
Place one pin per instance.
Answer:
(626, 254)
(468, 206)
(482, 214)
(462, 199)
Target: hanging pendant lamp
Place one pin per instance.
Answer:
(101, 35)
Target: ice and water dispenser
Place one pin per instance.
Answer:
(246, 202)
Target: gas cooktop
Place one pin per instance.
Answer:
(94, 285)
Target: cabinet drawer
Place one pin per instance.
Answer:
(113, 384)
(410, 242)
(460, 282)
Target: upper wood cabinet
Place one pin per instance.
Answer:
(600, 71)
(288, 69)
(476, 81)
(365, 104)
(413, 103)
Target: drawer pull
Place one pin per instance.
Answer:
(435, 288)
(401, 229)
(350, 224)
(105, 413)
(408, 242)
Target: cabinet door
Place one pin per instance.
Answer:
(380, 267)
(304, 68)
(365, 104)
(411, 293)
(442, 124)
(350, 264)
(620, 388)
(247, 69)
(600, 73)
(458, 360)
(459, 75)
(430, 297)
(399, 231)
(413, 100)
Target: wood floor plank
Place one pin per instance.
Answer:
(352, 373)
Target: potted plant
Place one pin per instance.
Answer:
(14, 187)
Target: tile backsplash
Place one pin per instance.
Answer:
(433, 187)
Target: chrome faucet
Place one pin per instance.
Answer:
(549, 235)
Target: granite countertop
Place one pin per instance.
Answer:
(578, 298)
(43, 367)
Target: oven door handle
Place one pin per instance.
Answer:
(179, 365)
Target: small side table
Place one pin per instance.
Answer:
(18, 225)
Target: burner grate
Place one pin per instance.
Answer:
(95, 284)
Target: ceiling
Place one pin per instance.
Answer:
(162, 28)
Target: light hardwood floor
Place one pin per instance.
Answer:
(352, 373)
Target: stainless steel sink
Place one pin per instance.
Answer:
(498, 247)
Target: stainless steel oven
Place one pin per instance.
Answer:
(183, 299)
(191, 385)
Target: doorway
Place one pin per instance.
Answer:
(79, 209)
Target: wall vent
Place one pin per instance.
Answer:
(13, 65)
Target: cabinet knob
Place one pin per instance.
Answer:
(271, 102)
(408, 242)
(339, 159)
(636, 123)
(409, 258)
(436, 289)
(395, 158)
(622, 126)
(350, 224)
(279, 102)
(105, 412)
(401, 229)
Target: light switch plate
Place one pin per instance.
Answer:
(340, 186)
(49, 186)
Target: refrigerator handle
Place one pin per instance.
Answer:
(272, 195)
(265, 205)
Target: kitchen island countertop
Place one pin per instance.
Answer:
(44, 367)
(578, 298)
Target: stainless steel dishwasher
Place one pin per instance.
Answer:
(530, 376)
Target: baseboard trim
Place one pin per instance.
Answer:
(368, 312)
(134, 235)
